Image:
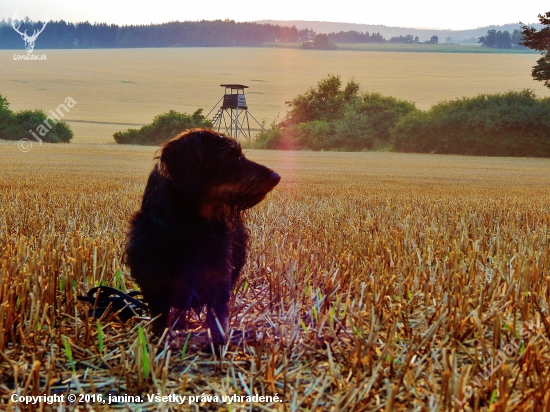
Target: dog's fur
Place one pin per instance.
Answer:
(187, 244)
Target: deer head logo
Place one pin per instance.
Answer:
(29, 40)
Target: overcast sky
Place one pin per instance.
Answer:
(445, 14)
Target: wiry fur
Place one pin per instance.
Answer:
(188, 242)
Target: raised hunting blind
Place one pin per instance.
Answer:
(232, 116)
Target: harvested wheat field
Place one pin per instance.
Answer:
(120, 88)
(375, 281)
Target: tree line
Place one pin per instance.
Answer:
(502, 39)
(355, 37)
(334, 116)
(64, 35)
(328, 41)
(220, 33)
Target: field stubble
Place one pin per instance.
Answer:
(375, 281)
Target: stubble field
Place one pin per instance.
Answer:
(375, 281)
(120, 88)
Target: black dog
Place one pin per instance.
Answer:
(187, 244)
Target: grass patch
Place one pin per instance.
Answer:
(413, 48)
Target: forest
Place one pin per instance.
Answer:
(220, 33)
(205, 33)
(217, 33)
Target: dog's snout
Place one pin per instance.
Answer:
(275, 178)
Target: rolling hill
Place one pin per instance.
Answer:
(457, 36)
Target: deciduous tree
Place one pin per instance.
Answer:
(539, 40)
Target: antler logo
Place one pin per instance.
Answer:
(29, 40)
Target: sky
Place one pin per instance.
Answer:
(441, 14)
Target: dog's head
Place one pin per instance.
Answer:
(211, 169)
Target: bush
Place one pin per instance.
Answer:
(268, 139)
(380, 114)
(163, 128)
(46, 128)
(508, 124)
(328, 117)
(6, 117)
(349, 133)
(315, 135)
(320, 42)
(17, 126)
(325, 102)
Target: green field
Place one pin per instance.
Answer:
(414, 48)
(120, 88)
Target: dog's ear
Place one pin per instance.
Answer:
(181, 160)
